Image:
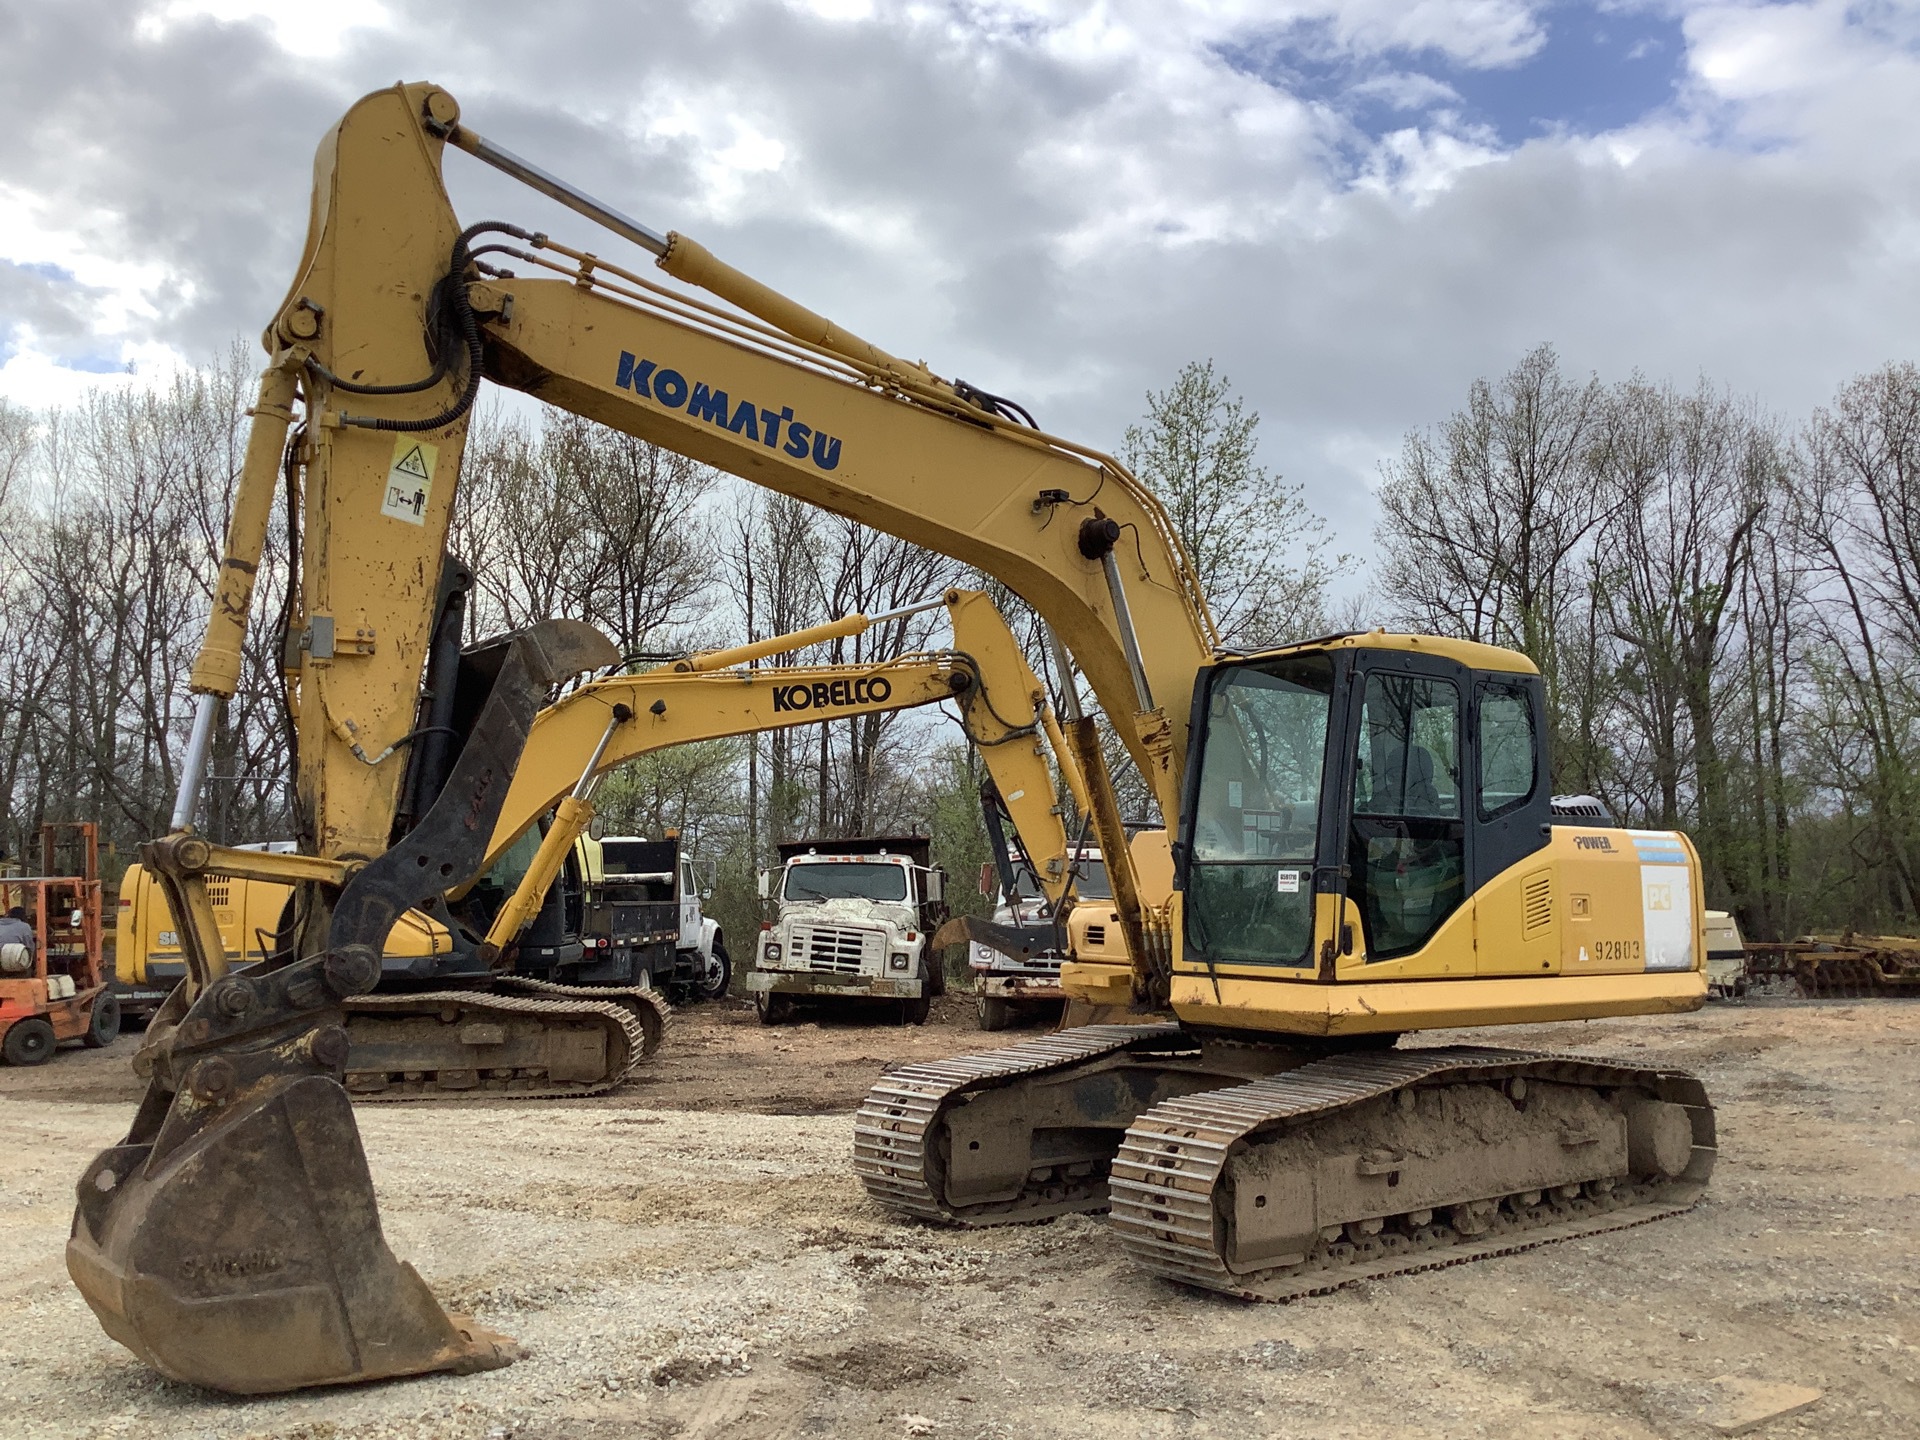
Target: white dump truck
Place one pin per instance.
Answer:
(853, 927)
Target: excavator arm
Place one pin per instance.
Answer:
(1003, 710)
(395, 316)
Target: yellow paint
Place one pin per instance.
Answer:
(1398, 1006)
(1467, 652)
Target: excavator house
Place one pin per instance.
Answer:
(1363, 840)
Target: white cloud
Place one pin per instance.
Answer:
(1057, 200)
(305, 29)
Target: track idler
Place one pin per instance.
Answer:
(233, 1240)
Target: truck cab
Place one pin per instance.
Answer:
(1011, 988)
(853, 925)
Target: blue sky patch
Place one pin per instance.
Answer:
(94, 364)
(46, 270)
(1598, 69)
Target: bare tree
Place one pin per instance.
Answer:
(1263, 557)
(1857, 519)
(1482, 520)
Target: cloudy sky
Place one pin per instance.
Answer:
(1354, 206)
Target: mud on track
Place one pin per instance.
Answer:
(690, 1257)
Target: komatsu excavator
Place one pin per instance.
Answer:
(1363, 840)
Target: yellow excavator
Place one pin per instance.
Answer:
(455, 1017)
(1363, 840)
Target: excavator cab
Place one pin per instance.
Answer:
(1377, 779)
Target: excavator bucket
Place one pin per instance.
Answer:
(233, 1240)
(250, 1258)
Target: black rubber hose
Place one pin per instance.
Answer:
(469, 327)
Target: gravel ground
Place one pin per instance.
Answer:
(690, 1257)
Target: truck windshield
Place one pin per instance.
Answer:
(849, 881)
(1250, 885)
(1090, 881)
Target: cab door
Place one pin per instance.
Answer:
(1408, 841)
(689, 906)
(1516, 899)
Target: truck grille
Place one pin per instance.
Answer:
(832, 948)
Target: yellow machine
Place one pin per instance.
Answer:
(449, 1018)
(1363, 842)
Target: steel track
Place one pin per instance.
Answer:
(637, 1039)
(1172, 1161)
(891, 1150)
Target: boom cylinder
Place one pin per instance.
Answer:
(216, 670)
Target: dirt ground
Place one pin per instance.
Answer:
(691, 1257)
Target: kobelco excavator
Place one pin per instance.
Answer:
(1363, 838)
(453, 1015)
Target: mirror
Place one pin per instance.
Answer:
(935, 886)
(989, 879)
(765, 881)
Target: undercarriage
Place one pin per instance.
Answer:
(1272, 1171)
(522, 1037)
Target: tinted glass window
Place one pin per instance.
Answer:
(1507, 769)
(1407, 850)
(1250, 884)
(1409, 760)
(853, 881)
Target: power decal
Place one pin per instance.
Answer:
(775, 429)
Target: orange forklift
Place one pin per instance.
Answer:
(59, 991)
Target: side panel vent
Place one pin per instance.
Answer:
(1536, 904)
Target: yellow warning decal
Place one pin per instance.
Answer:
(410, 480)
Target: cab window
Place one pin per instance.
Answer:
(1407, 846)
(1256, 822)
(1507, 769)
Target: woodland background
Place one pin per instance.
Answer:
(1725, 603)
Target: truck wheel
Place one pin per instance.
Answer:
(719, 976)
(103, 1026)
(915, 1012)
(29, 1042)
(995, 1013)
(773, 1009)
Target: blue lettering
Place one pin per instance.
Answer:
(708, 405)
(796, 445)
(772, 422)
(670, 389)
(746, 420)
(633, 373)
(826, 450)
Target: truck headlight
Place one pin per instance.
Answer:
(771, 950)
(899, 962)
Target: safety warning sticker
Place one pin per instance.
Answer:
(410, 480)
